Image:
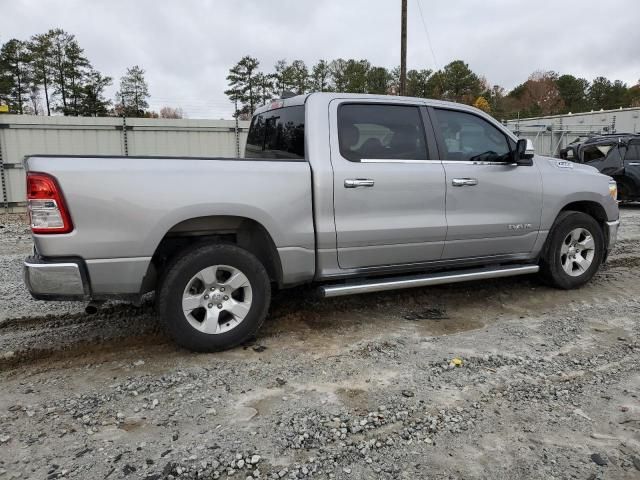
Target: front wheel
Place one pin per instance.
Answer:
(214, 297)
(574, 251)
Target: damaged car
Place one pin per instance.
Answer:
(616, 155)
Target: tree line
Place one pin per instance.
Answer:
(543, 93)
(50, 74)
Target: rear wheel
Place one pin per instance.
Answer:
(574, 251)
(214, 297)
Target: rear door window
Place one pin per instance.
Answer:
(378, 131)
(277, 134)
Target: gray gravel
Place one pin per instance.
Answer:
(546, 385)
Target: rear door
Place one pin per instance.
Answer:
(389, 192)
(493, 207)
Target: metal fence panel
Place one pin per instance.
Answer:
(22, 135)
(551, 134)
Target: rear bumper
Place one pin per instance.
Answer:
(612, 233)
(56, 280)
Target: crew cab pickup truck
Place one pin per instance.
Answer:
(356, 193)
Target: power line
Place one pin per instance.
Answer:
(426, 31)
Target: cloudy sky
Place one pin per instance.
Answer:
(187, 47)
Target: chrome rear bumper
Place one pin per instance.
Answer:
(48, 280)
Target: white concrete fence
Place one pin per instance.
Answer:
(22, 135)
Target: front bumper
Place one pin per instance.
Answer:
(56, 280)
(612, 233)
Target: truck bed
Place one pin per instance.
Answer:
(122, 207)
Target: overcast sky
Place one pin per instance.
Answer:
(188, 46)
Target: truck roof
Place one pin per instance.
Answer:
(301, 99)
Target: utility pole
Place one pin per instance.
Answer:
(403, 50)
(237, 129)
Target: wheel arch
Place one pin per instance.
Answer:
(589, 207)
(244, 232)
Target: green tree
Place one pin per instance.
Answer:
(356, 72)
(600, 92)
(40, 49)
(418, 84)
(459, 83)
(573, 92)
(60, 42)
(93, 102)
(619, 96)
(16, 75)
(338, 69)
(243, 86)
(495, 95)
(320, 78)
(265, 84)
(378, 80)
(76, 68)
(283, 77)
(634, 95)
(299, 75)
(134, 93)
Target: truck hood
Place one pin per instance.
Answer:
(566, 166)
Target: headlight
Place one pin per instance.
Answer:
(613, 189)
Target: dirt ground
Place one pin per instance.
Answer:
(357, 387)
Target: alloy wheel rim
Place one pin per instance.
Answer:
(217, 299)
(577, 252)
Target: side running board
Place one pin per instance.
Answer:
(381, 284)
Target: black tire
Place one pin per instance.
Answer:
(551, 269)
(181, 271)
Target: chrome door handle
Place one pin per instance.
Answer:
(634, 164)
(464, 182)
(358, 182)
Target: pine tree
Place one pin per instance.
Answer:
(93, 103)
(16, 75)
(134, 93)
(299, 76)
(282, 76)
(320, 80)
(40, 49)
(243, 86)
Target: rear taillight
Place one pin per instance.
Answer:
(47, 210)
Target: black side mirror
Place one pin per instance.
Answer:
(523, 153)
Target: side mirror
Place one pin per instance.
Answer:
(524, 152)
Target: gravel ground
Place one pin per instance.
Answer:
(503, 379)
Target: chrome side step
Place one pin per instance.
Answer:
(381, 284)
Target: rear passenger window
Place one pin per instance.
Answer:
(277, 134)
(388, 132)
(469, 137)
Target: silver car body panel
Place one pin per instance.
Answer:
(122, 207)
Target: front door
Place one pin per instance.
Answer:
(389, 191)
(632, 170)
(493, 206)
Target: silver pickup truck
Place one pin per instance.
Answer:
(357, 193)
